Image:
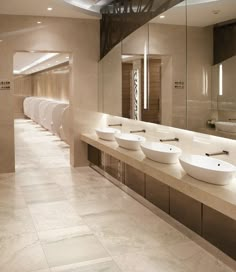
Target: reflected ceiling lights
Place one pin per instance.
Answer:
(196, 2)
(90, 5)
(38, 61)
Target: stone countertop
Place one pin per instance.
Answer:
(220, 198)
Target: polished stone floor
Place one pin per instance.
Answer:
(57, 219)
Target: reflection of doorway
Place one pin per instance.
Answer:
(151, 113)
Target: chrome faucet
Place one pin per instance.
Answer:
(217, 153)
(134, 131)
(169, 140)
(115, 125)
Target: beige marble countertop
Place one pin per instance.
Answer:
(220, 198)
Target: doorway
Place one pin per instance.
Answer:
(42, 82)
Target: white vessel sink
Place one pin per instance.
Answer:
(159, 152)
(129, 141)
(207, 169)
(107, 134)
(226, 126)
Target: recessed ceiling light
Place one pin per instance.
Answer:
(57, 61)
(39, 22)
(162, 16)
(50, 8)
(49, 64)
(67, 57)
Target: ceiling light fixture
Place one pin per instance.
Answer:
(50, 8)
(162, 16)
(39, 22)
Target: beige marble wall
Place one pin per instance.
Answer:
(199, 69)
(170, 40)
(79, 37)
(110, 82)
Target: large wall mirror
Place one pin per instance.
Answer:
(167, 71)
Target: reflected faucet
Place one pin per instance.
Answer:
(217, 153)
(169, 140)
(115, 125)
(135, 131)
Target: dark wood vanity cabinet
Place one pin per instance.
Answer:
(215, 227)
(112, 166)
(135, 180)
(158, 193)
(186, 210)
(94, 156)
(220, 230)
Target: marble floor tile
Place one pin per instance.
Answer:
(21, 253)
(196, 258)
(15, 221)
(11, 197)
(47, 192)
(63, 247)
(98, 265)
(54, 215)
(155, 260)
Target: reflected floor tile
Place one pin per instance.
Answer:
(42, 193)
(98, 265)
(69, 246)
(15, 221)
(21, 253)
(54, 215)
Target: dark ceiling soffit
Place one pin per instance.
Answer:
(224, 41)
(122, 17)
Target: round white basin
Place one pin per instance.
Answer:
(129, 141)
(107, 134)
(159, 152)
(207, 169)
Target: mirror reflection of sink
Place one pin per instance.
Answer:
(160, 152)
(226, 126)
(207, 169)
(129, 141)
(107, 134)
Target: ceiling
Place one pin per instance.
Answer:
(60, 8)
(26, 63)
(200, 13)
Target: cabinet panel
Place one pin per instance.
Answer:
(220, 230)
(158, 193)
(112, 166)
(94, 155)
(186, 210)
(135, 180)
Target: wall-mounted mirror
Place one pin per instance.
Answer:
(165, 72)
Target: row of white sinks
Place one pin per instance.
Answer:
(203, 168)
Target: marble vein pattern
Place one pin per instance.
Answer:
(54, 218)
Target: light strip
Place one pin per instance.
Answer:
(220, 79)
(145, 88)
(38, 61)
